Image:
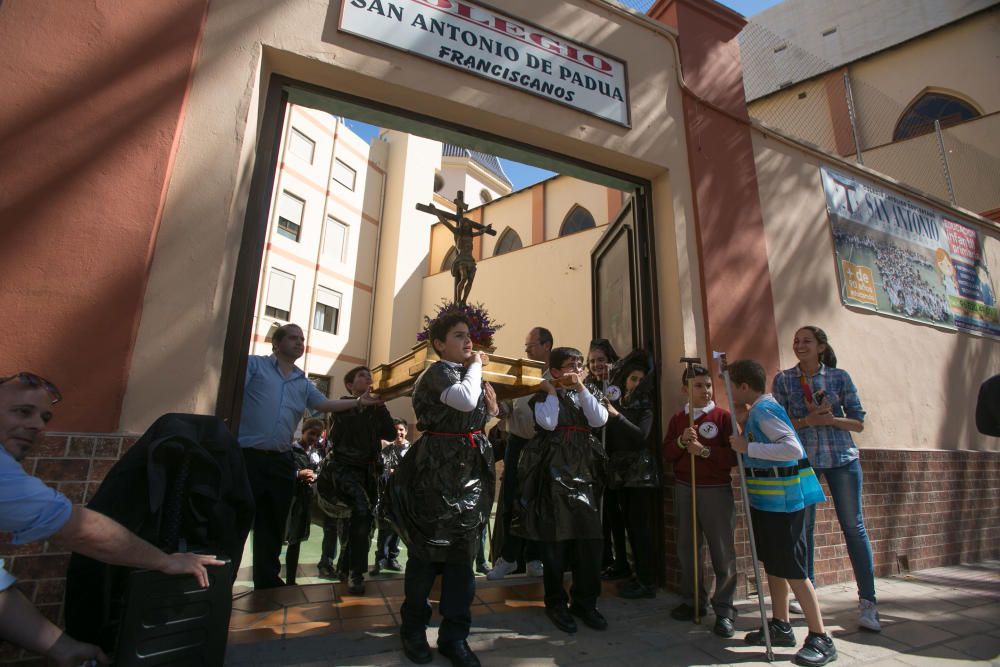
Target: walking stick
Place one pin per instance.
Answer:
(604, 446)
(724, 367)
(691, 361)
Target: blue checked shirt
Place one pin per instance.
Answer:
(826, 446)
(273, 404)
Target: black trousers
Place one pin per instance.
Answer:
(331, 533)
(614, 552)
(356, 487)
(292, 562)
(388, 542)
(515, 547)
(637, 504)
(272, 479)
(458, 588)
(585, 559)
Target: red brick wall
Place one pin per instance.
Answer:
(74, 464)
(933, 507)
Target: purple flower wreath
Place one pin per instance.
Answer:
(481, 325)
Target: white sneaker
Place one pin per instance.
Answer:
(501, 568)
(868, 616)
(535, 568)
(794, 606)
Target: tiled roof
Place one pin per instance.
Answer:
(490, 163)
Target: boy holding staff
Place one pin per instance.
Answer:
(781, 486)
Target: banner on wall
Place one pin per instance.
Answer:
(901, 258)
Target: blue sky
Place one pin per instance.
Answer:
(748, 7)
(522, 175)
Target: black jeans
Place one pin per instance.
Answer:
(356, 486)
(515, 547)
(458, 588)
(585, 556)
(637, 506)
(388, 542)
(272, 480)
(614, 552)
(292, 562)
(331, 533)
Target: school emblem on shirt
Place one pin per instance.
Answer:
(708, 430)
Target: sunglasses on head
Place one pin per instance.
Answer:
(33, 380)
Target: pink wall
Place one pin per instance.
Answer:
(739, 306)
(93, 96)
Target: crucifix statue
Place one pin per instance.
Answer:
(464, 230)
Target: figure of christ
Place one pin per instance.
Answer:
(464, 230)
(464, 268)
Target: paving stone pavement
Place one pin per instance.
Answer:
(944, 617)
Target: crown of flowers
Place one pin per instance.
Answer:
(481, 325)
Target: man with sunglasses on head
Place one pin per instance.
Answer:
(31, 511)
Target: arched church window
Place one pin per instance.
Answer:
(919, 118)
(438, 182)
(509, 240)
(449, 259)
(485, 196)
(577, 220)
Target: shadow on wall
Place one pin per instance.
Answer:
(923, 501)
(97, 117)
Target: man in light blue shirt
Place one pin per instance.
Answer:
(275, 396)
(31, 511)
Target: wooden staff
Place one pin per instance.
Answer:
(689, 374)
(724, 368)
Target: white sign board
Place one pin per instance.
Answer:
(494, 46)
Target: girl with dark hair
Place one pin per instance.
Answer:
(601, 358)
(823, 404)
(305, 453)
(633, 473)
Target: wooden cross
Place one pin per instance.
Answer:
(464, 230)
(458, 217)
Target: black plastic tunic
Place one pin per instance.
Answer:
(632, 459)
(561, 476)
(297, 526)
(442, 492)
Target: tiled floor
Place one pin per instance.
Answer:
(945, 617)
(317, 609)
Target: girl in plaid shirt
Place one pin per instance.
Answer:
(824, 407)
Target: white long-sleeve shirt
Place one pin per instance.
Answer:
(520, 421)
(783, 443)
(547, 411)
(464, 396)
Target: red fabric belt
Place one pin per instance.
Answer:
(570, 429)
(472, 440)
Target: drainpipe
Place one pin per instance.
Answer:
(378, 256)
(944, 161)
(854, 122)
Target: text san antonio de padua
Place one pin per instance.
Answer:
(491, 45)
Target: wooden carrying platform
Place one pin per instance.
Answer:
(510, 377)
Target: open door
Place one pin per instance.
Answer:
(623, 286)
(613, 287)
